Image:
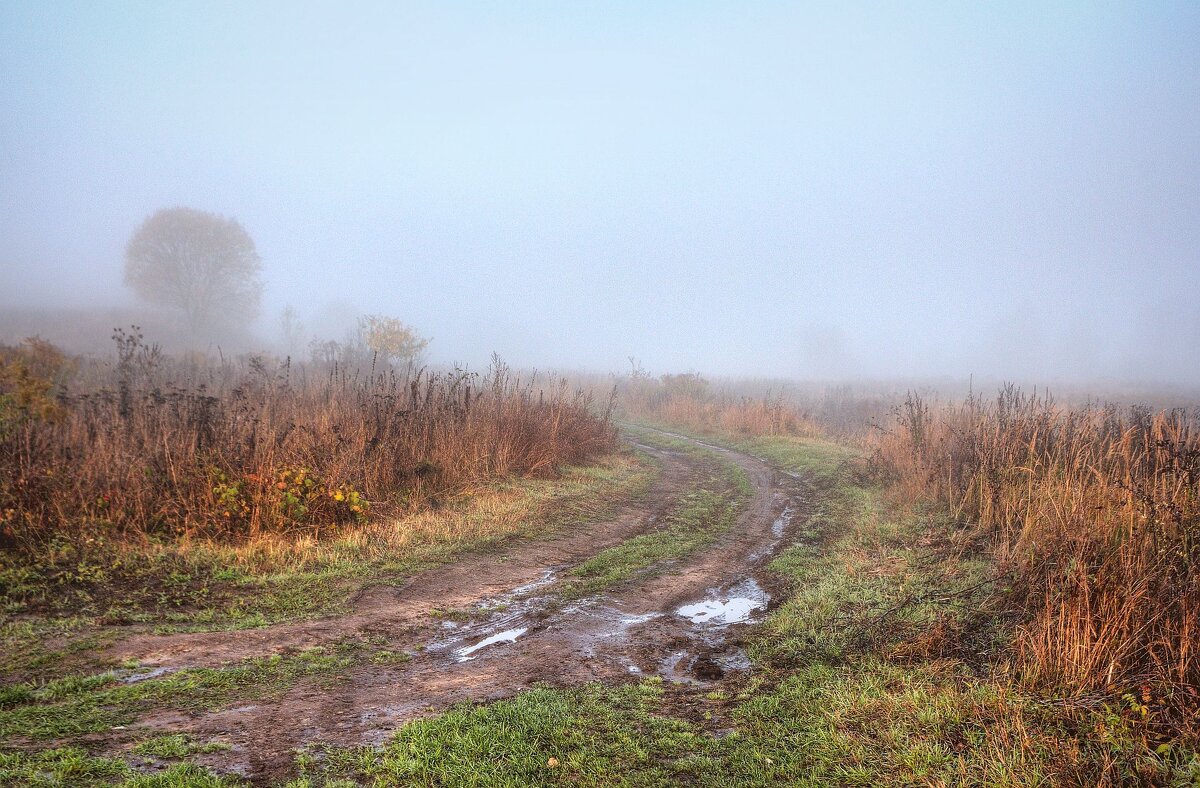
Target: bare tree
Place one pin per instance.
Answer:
(201, 264)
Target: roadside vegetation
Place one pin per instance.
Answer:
(1092, 516)
(207, 584)
(176, 448)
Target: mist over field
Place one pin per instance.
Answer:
(768, 189)
(560, 393)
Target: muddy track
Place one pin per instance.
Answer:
(683, 622)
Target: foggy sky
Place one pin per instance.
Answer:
(746, 188)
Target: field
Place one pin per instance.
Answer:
(228, 572)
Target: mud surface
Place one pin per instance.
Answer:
(684, 622)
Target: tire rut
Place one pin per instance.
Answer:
(684, 623)
(409, 605)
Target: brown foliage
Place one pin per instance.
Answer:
(180, 447)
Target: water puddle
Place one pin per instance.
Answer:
(144, 675)
(548, 576)
(781, 522)
(735, 606)
(674, 667)
(734, 659)
(507, 636)
(497, 619)
(596, 626)
(706, 666)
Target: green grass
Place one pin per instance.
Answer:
(76, 705)
(544, 736)
(820, 461)
(878, 724)
(175, 745)
(74, 766)
(701, 515)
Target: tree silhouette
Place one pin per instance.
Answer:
(201, 264)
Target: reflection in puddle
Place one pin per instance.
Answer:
(735, 606)
(507, 636)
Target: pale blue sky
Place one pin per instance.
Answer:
(774, 188)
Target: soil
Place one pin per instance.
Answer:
(684, 622)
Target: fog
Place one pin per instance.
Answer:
(770, 189)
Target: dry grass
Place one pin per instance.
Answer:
(1095, 512)
(149, 446)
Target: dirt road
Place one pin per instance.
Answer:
(683, 621)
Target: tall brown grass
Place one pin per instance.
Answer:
(151, 445)
(1095, 511)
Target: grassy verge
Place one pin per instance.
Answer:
(57, 612)
(77, 705)
(882, 667)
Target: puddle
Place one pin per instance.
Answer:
(507, 636)
(675, 667)
(147, 674)
(598, 626)
(734, 659)
(701, 668)
(548, 577)
(735, 606)
(781, 522)
(627, 621)
(496, 619)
